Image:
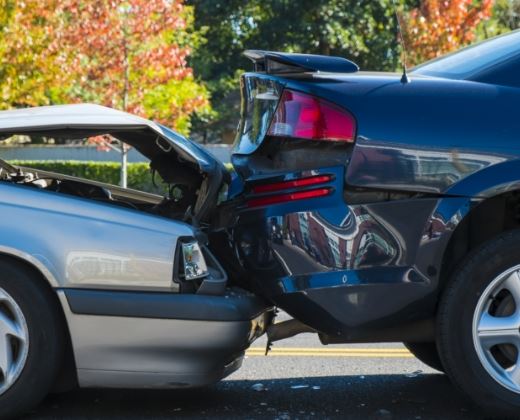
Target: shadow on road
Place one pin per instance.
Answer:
(420, 396)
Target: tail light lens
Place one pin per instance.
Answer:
(311, 181)
(296, 183)
(285, 198)
(304, 116)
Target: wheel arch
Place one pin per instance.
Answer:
(30, 261)
(490, 201)
(487, 219)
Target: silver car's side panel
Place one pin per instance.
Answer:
(112, 351)
(83, 243)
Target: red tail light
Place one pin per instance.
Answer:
(296, 183)
(307, 117)
(284, 198)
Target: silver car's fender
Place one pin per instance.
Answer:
(81, 243)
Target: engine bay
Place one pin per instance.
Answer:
(184, 195)
(188, 180)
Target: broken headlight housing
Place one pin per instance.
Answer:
(194, 264)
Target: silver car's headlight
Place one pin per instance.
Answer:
(194, 263)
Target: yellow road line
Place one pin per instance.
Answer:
(328, 352)
(335, 350)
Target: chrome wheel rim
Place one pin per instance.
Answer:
(14, 341)
(496, 329)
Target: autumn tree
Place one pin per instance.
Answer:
(127, 54)
(131, 55)
(437, 27)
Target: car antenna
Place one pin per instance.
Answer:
(404, 78)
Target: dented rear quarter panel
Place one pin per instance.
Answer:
(424, 136)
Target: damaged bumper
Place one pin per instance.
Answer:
(160, 340)
(352, 272)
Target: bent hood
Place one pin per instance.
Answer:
(81, 120)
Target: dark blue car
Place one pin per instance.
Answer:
(382, 208)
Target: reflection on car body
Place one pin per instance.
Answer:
(369, 209)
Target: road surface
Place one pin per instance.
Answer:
(300, 379)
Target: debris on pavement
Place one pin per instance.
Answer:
(383, 414)
(414, 374)
(259, 387)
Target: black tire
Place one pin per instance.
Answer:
(426, 353)
(44, 323)
(459, 302)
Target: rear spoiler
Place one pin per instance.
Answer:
(280, 63)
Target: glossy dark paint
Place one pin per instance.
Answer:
(354, 272)
(346, 269)
(291, 62)
(422, 136)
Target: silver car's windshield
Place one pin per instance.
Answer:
(470, 60)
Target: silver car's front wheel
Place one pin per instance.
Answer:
(496, 329)
(14, 341)
(32, 338)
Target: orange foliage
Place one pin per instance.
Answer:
(126, 54)
(441, 26)
(124, 47)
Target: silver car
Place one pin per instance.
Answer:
(102, 286)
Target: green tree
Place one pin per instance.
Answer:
(364, 31)
(505, 17)
(31, 68)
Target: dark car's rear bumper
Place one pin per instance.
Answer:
(379, 304)
(353, 272)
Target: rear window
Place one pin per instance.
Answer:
(473, 59)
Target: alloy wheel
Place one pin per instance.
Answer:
(496, 329)
(14, 341)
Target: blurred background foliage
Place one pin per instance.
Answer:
(179, 61)
(139, 176)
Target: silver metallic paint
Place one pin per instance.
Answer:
(82, 243)
(113, 351)
(85, 116)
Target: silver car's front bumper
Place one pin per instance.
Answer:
(153, 340)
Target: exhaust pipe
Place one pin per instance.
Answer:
(285, 329)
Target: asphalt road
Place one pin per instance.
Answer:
(300, 379)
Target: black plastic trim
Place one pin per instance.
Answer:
(234, 306)
(295, 62)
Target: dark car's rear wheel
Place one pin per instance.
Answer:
(426, 353)
(30, 340)
(479, 326)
